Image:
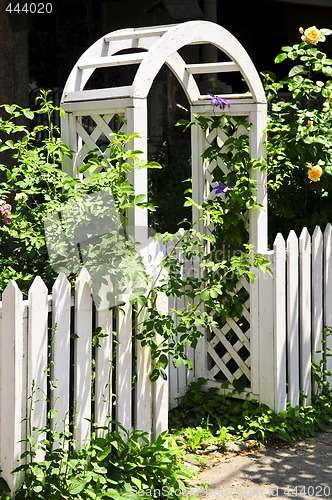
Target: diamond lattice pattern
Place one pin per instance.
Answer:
(94, 133)
(228, 347)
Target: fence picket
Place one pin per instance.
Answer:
(82, 357)
(104, 369)
(293, 360)
(13, 383)
(279, 272)
(161, 388)
(328, 295)
(123, 372)
(317, 296)
(266, 341)
(60, 353)
(143, 386)
(37, 359)
(305, 313)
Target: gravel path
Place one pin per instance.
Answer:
(302, 470)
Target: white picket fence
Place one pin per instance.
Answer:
(289, 311)
(294, 306)
(28, 349)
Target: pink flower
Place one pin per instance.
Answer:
(6, 209)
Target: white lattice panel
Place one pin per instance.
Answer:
(228, 347)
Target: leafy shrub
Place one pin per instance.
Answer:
(119, 464)
(299, 137)
(247, 419)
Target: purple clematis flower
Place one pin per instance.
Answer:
(223, 188)
(218, 101)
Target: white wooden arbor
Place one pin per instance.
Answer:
(148, 49)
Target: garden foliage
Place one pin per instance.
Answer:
(299, 136)
(299, 166)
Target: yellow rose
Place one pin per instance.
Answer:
(311, 35)
(314, 173)
(310, 123)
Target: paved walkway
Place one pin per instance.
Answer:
(302, 470)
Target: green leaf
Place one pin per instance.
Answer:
(76, 486)
(152, 164)
(205, 294)
(84, 168)
(28, 114)
(327, 70)
(137, 482)
(280, 58)
(139, 198)
(297, 70)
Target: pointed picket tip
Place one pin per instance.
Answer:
(12, 290)
(304, 233)
(317, 232)
(305, 241)
(60, 281)
(279, 240)
(292, 236)
(83, 277)
(83, 286)
(38, 284)
(328, 230)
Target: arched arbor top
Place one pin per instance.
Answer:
(149, 49)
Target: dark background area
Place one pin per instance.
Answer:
(57, 40)
(39, 50)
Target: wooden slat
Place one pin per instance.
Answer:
(305, 313)
(37, 359)
(317, 297)
(60, 368)
(96, 94)
(82, 357)
(104, 355)
(13, 383)
(133, 33)
(106, 62)
(143, 386)
(328, 294)
(87, 108)
(161, 398)
(293, 319)
(203, 68)
(123, 383)
(179, 305)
